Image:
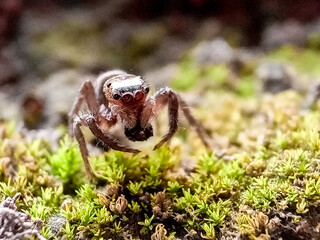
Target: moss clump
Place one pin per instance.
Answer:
(66, 163)
(218, 78)
(187, 77)
(304, 60)
(314, 41)
(269, 169)
(261, 182)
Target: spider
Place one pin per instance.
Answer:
(116, 96)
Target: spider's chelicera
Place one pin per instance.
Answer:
(118, 96)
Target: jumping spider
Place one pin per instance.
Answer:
(118, 96)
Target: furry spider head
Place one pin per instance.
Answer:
(126, 90)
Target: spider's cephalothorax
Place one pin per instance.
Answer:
(129, 92)
(118, 96)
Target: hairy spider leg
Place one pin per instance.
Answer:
(83, 148)
(166, 96)
(107, 139)
(88, 95)
(170, 97)
(193, 121)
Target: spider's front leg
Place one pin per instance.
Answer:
(91, 122)
(167, 96)
(86, 95)
(83, 147)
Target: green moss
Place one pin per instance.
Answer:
(217, 75)
(187, 77)
(304, 60)
(145, 41)
(314, 41)
(246, 87)
(66, 163)
(265, 163)
(215, 78)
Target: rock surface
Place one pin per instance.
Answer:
(16, 225)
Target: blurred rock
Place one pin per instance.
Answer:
(160, 77)
(313, 27)
(274, 77)
(9, 107)
(11, 65)
(213, 52)
(59, 92)
(313, 95)
(209, 29)
(8, 73)
(169, 51)
(289, 32)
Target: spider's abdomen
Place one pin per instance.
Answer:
(137, 133)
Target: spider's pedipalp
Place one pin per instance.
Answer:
(106, 138)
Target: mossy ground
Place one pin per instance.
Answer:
(261, 182)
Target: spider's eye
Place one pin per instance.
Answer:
(146, 90)
(108, 85)
(127, 98)
(116, 96)
(138, 96)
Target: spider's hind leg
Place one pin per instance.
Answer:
(193, 121)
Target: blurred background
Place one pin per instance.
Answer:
(49, 47)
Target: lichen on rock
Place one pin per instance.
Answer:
(17, 225)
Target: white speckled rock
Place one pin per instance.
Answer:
(15, 225)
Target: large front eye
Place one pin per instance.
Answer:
(127, 98)
(138, 96)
